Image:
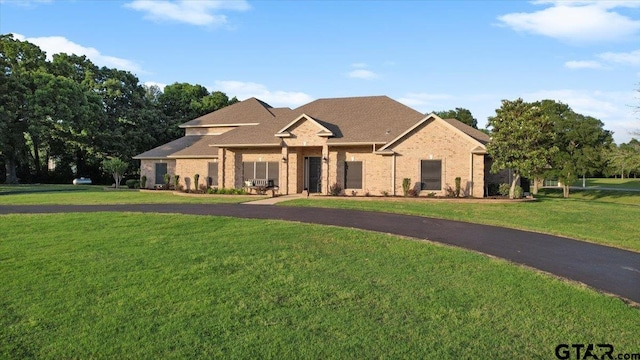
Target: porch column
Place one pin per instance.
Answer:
(284, 171)
(325, 169)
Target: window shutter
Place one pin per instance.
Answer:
(213, 174)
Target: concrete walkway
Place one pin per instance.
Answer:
(276, 199)
(608, 269)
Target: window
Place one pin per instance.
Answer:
(431, 175)
(161, 170)
(212, 176)
(261, 170)
(353, 174)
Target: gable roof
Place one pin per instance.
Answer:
(476, 135)
(354, 120)
(164, 151)
(248, 112)
(285, 131)
(469, 130)
(368, 119)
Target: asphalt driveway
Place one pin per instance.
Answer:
(604, 268)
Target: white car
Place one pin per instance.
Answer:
(82, 181)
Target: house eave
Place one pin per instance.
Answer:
(244, 145)
(216, 125)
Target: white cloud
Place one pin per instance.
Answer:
(630, 58)
(194, 12)
(25, 3)
(614, 109)
(583, 65)
(58, 44)
(424, 101)
(244, 90)
(577, 21)
(161, 86)
(362, 74)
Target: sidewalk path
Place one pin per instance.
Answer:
(605, 268)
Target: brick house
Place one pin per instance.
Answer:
(364, 144)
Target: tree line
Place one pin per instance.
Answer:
(547, 139)
(60, 119)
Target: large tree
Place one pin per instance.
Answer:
(522, 140)
(19, 60)
(78, 114)
(460, 114)
(581, 141)
(181, 102)
(624, 159)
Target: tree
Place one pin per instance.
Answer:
(581, 142)
(522, 138)
(115, 167)
(18, 61)
(460, 114)
(181, 102)
(624, 159)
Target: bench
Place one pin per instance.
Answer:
(261, 186)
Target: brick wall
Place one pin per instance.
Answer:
(435, 140)
(148, 169)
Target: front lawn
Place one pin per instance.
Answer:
(109, 285)
(610, 183)
(610, 218)
(95, 194)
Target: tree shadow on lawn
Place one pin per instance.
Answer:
(18, 190)
(586, 194)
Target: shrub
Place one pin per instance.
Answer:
(449, 191)
(167, 180)
(176, 182)
(503, 189)
(203, 187)
(412, 192)
(492, 189)
(133, 183)
(458, 181)
(211, 190)
(196, 177)
(354, 193)
(518, 192)
(367, 193)
(143, 182)
(335, 189)
(406, 186)
(384, 193)
(431, 194)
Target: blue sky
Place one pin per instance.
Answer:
(430, 55)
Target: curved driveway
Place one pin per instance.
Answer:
(605, 268)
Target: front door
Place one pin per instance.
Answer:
(313, 174)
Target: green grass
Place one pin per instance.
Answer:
(108, 285)
(609, 218)
(610, 183)
(86, 194)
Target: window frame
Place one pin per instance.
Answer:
(166, 171)
(359, 180)
(424, 185)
